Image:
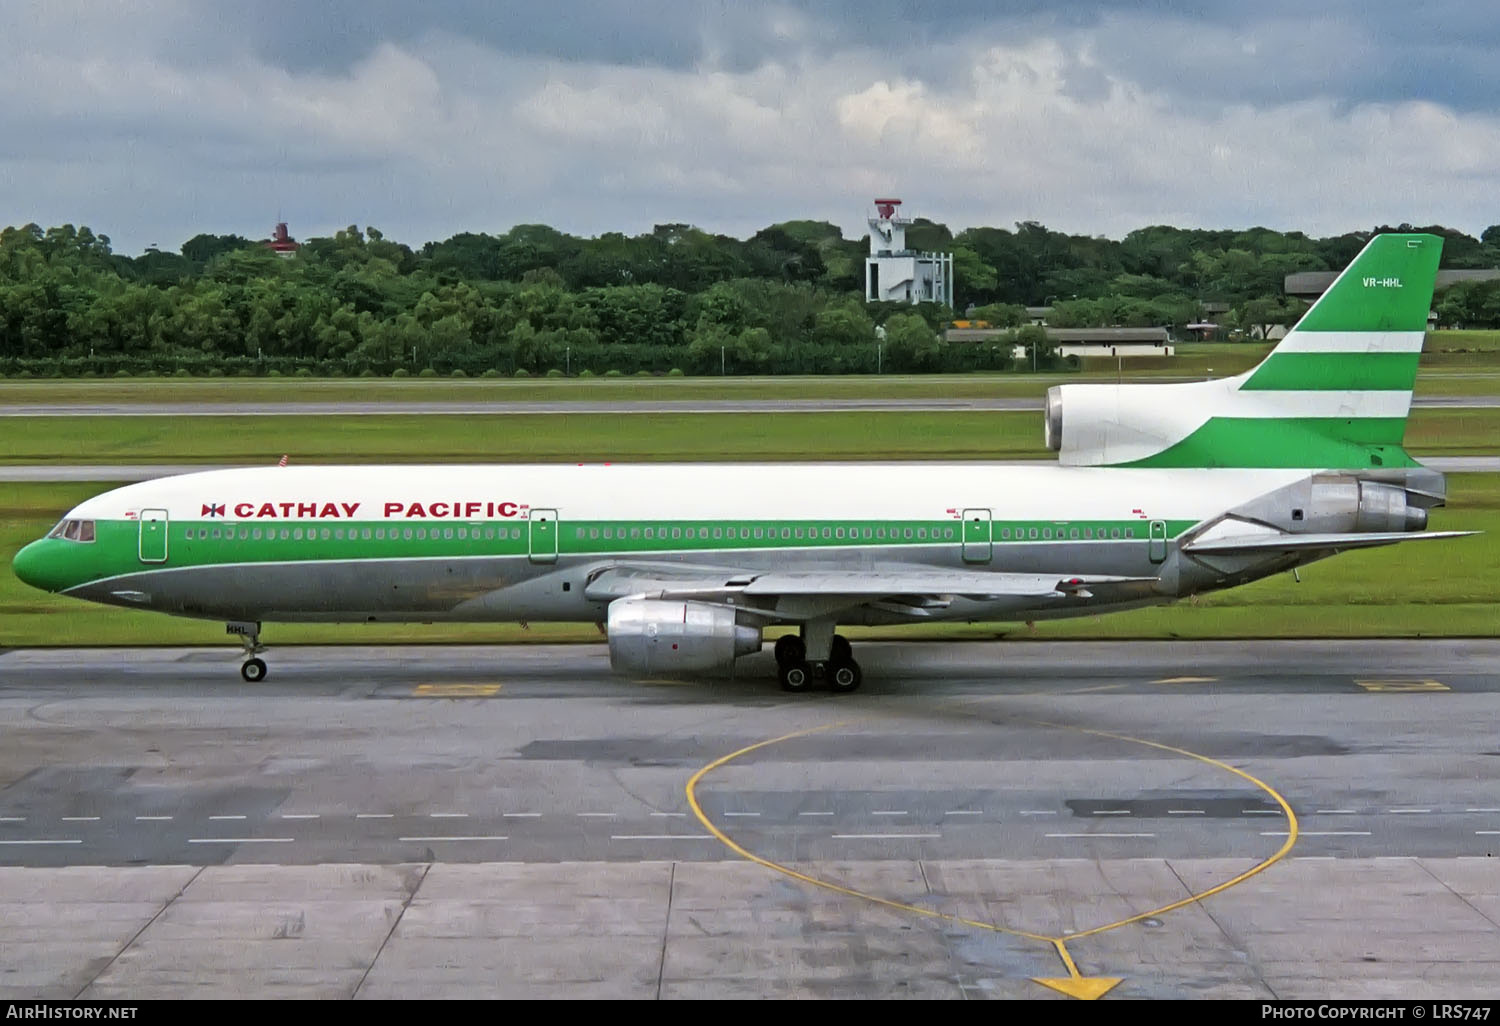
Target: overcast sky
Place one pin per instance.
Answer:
(156, 120)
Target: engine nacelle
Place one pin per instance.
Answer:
(1091, 425)
(1349, 504)
(660, 636)
(1052, 427)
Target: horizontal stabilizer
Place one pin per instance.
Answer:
(1311, 542)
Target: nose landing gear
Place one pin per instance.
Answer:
(252, 669)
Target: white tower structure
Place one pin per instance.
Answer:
(898, 274)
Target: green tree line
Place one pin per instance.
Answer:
(534, 300)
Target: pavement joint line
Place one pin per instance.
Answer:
(197, 872)
(474, 837)
(1487, 916)
(1101, 834)
(405, 904)
(241, 840)
(880, 837)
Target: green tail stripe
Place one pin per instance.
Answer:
(1332, 372)
(1388, 287)
(1333, 442)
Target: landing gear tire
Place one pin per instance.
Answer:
(789, 649)
(795, 677)
(253, 670)
(844, 677)
(841, 652)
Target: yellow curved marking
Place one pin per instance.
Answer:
(1291, 834)
(728, 842)
(1058, 943)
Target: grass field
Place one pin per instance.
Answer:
(1427, 589)
(598, 437)
(1454, 363)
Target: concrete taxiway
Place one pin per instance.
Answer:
(517, 821)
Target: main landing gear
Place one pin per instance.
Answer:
(797, 672)
(252, 669)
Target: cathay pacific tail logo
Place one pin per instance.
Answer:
(1382, 283)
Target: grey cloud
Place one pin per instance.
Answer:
(461, 115)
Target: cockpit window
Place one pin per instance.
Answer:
(73, 530)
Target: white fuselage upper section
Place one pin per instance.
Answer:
(812, 491)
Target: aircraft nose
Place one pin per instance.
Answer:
(32, 566)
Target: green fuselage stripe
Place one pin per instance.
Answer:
(1336, 443)
(199, 543)
(1335, 372)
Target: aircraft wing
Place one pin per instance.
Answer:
(793, 594)
(1274, 543)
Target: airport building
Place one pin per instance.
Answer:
(1082, 342)
(894, 273)
(1309, 285)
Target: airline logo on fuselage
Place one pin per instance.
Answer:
(393, 510)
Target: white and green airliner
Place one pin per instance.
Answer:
(1160, 491)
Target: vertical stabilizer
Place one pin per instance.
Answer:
(1334, 393)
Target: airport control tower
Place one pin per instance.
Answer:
(898, 274)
